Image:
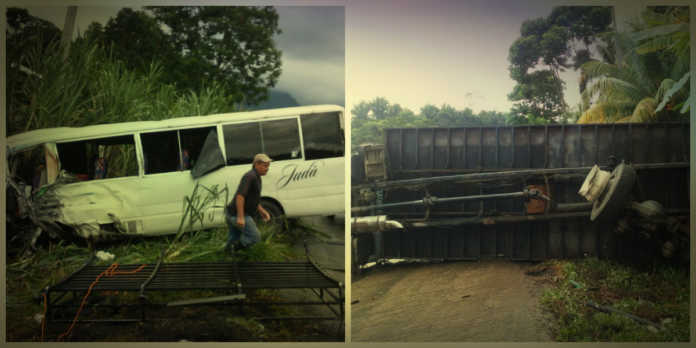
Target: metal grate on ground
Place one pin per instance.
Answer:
(233, 279)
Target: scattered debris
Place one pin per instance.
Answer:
(104, 256)
(651, 326)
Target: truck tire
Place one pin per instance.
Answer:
(613, 200)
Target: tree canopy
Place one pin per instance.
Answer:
(547, 46)
(114, 73)
(196, 45)
(649, 81)
(370, 118)
(230, 44)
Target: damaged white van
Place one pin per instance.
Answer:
(131, 178)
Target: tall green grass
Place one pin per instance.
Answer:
(93, 87)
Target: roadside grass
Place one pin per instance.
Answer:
(29, 275)
(659, 295)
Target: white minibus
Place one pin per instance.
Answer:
(131, 178)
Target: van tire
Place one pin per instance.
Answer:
(273, 210)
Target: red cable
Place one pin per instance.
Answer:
(110, 271)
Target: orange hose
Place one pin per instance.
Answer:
(110, 271)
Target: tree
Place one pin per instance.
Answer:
(631, 89)
(429, 111)
(614, 90)
(25, 34)
(546, 47)
(231, 45)
(370, 119)
(137, 40)
(366, 130)
(540, 93)
(667, 33)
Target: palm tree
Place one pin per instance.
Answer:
(620, 92)
(667, 33)
(637, 87)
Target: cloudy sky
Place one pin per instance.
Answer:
(412, 52)
(415, 52)
(312, 42)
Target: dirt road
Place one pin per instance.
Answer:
(458, 301)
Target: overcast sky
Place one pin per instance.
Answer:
(312, 42)
(412, 52)
(314, 50)
(415, 52)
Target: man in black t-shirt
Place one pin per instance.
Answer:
(242, 228)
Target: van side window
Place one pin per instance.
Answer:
(104, 158)
(322, 135)
(242, 142)
(172, 151)
(281, 139)
(160, 152)
(192, 141)
(210, 156)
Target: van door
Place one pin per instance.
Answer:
(169, 158)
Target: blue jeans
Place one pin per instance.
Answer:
(246, 236)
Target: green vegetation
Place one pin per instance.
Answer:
(647, 82)
(659, 295)
(548, 46)
(29, 274)
(231, 46)
(92, 88)
(371, 118)
(112, 75)
(639, 75)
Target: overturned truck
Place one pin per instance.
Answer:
(524, 193)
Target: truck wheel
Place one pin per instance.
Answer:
(613, 200)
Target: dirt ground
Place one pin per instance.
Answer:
(490, 300)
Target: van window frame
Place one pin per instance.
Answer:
(259, 121)
(87, 139)
(341, 131)
(141, 159)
